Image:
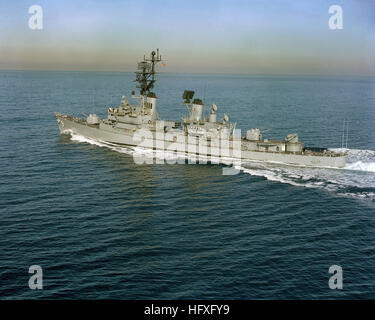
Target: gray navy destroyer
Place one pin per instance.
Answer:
(196, 134)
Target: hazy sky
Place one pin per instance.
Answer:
(255, 37)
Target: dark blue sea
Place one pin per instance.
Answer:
(102, 227)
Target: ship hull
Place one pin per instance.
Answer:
(108, 134)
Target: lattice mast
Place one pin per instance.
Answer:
(145, 76)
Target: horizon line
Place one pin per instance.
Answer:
(206, 73)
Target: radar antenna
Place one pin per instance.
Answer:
(145, 75)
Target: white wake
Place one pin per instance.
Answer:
(356, 179)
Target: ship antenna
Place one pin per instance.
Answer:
(93, 100)
(343, 133)
(347, 133)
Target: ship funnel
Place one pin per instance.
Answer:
(196, 110)
(150, 105)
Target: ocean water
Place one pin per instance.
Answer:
(102, 227)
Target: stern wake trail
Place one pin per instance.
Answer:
(361, 160)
